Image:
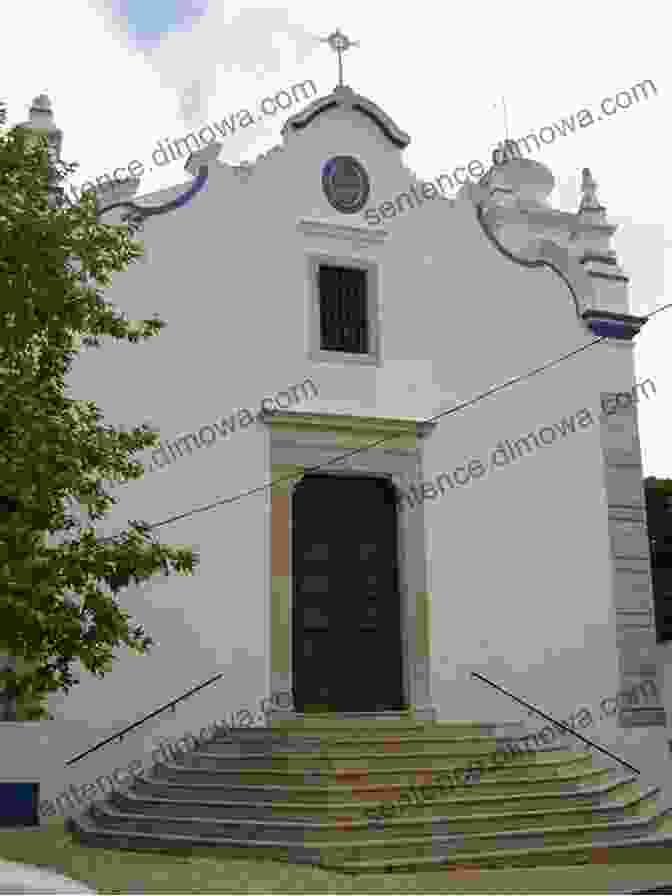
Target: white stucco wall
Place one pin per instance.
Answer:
(519, 564)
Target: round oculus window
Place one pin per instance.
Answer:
(345, 184)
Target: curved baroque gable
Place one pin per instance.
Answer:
(346, 97)
(547, 253)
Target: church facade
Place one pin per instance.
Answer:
(388, 482)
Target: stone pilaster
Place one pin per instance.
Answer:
(631, 567)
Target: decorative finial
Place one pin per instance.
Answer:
(589, 200)
(506, 118)
(41, 119)
(505, 152)
(339, 43)
(40, 113)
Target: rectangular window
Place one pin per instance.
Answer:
(344, 324)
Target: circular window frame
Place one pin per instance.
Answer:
(331, 190)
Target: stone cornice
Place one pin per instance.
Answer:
(623, 278)
(545, 217)
(374, 426)
(581, 227)
(602, 259)
(363, 235)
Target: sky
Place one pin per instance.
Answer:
(125, 74)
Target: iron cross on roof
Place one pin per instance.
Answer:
(339, 43)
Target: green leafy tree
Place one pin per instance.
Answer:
(59, 581)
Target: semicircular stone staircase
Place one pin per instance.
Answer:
(342, 793)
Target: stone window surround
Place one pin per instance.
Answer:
(300, 441)
(315, 353)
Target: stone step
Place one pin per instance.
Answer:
(461, 750)
(422, 771)
(450, 838)
(131, 801)
(453, 756)
(384, 743)
(346, 734)
(653, 849)
(366, 726)
(449, 758)
(495, 805)
(503, 848)
(203, 788)
(371, 794)
(294, 830)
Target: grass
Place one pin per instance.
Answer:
(211, 871)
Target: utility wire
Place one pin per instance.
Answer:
(445, 413)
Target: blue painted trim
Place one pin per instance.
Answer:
(138, 213)
(615, 329)
(608, 328)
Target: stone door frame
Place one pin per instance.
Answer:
(334, 443)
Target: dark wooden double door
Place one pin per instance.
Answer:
(346, 626)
